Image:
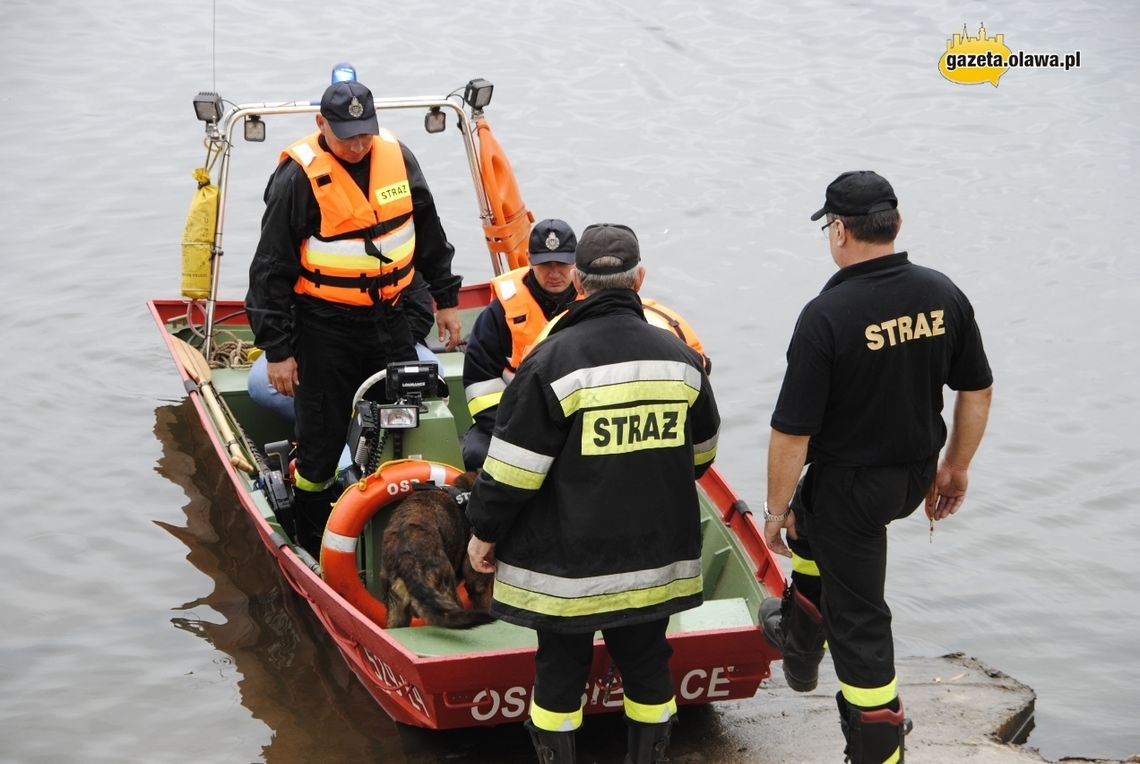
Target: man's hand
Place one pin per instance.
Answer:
(481, 554)
(449, 327)
(772, 533)
(283, 375)
(947, 492)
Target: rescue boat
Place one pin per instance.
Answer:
(422, 675)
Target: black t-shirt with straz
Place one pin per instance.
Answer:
(868, 359)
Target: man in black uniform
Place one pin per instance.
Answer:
(586, 508)
(525, 300)
(861, 404)
(348, 221)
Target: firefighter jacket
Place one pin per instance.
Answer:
(588, 489)
(294, 219)
(502, 334)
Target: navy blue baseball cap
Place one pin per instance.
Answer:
(349, 109)
(552, 241)
(860, 192)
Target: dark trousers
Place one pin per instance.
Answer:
(641, 652)
(843, 528)
(334, 357)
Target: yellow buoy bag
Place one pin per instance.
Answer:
(198, 238)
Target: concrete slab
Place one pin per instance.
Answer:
(963, 711)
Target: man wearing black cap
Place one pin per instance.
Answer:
(861, 404)
(586, 508)
(349, 220)
(525, 299)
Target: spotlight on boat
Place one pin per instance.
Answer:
(435, 120)
(254, 128)
(399, 417)
(478, 94)
(343, 72)
(208, 107)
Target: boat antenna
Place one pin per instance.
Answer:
(214, 43)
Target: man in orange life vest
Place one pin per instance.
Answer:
(525, 300)
(348, 221)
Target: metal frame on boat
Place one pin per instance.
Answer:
(422, 675)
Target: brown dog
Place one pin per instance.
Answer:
(424, 554)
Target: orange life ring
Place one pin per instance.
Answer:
(355, 507)
(508, 233)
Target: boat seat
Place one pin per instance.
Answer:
(731, 612)
(432, 641)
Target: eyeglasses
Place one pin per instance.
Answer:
(825, 226)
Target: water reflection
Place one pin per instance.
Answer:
(290, 675)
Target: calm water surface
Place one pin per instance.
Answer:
(143, 622)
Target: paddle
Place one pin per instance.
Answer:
(199, 371)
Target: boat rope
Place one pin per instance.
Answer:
(230, 353)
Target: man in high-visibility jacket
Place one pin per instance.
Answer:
(348, 221)
(525, 299)
(586, 508)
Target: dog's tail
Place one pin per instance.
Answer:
(440, 609)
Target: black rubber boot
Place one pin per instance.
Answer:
(312, 510)
(552, 747)
(794, 625)
(873, 735)
(646, 743)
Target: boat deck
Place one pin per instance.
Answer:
(430, 641)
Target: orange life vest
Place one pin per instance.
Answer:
(670, 320)
(658, 315)
(348, 262)
(525, 318)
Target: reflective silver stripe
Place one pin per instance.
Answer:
(507, 287)
(339, 543)
(395, 239)
(517, 456)
(437, 474)
(475, 389)
(708, 446)
(613, 583)
(305, 153)
(508, 375)
(388, 243)
(627, 371)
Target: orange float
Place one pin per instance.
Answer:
(508, 232)
(355, 507)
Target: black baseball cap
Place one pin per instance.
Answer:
(349, 109)
(860, 192)
(607, 240)
(552, 241)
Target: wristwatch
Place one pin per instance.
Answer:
(770, 518)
